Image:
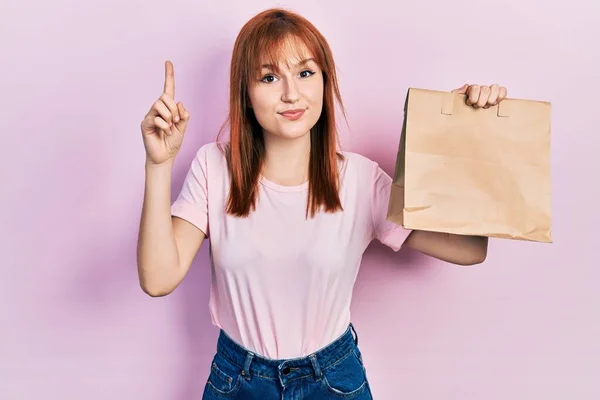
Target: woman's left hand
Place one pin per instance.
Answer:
(480, 96)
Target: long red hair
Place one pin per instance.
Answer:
(262, 37)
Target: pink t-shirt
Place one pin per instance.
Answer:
(282, 284)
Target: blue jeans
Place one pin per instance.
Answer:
(333, 372)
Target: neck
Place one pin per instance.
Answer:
(286, 160)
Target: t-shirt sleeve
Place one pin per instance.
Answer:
(192, 202)
(388, 233)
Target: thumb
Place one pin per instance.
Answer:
(462, 89)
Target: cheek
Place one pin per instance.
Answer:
(260, 105)
(315, 94)
(316, 102)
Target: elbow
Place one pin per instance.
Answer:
(474, 259)
(155, 291)
(154, 281)
(155, 287)
(481, 259)
(477, 252)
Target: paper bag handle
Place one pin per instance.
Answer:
(449, 99)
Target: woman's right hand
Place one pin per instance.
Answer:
(164, 125)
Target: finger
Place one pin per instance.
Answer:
(161, 124)
(462, 89)
(502, 94)
(495, 92)
(473, 93)
(484, 95)
(170, 103)
(493, 99)
(185, 117)
(169, 88)
(160, 109)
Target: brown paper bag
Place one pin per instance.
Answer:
(469, 171)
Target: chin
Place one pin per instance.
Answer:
(291, 133)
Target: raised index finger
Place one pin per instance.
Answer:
(169, 79)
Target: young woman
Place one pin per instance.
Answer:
(288, 214)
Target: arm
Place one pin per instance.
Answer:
(455, 249)
(166, 245)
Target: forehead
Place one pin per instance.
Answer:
(286, 54)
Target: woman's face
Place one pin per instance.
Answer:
(287, 98)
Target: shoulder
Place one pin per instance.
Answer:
(353, 159)
(211, 154)
(364, 173)
(358, 165)
(211, 150)
(209, 163)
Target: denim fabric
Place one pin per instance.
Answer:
(334, 372)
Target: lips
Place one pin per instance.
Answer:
(292, 114)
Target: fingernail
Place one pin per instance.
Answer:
(177, 118)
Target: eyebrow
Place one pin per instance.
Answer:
(273, 68)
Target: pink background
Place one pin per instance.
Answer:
(77, 78)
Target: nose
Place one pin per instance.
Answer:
(290, 91)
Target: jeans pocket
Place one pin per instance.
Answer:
(225, 378)
(347, 378)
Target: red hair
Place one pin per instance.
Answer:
(264, 36)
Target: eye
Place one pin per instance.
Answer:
(306, 73)
(268, 78)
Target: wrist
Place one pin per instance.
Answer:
(166, 165)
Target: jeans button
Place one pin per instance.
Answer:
(286, 370)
